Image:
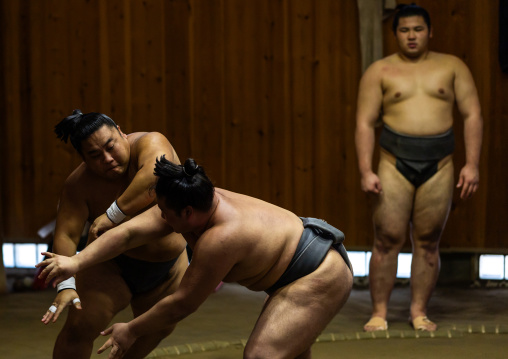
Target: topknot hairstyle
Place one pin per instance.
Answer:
(183, 185)
(405, 10)
(78, 127)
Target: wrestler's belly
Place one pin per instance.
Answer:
(421, 121)
(258, 273)
(160, 250)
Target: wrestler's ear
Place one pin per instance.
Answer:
(187, 212)
(120, 131)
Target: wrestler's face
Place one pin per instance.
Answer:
(413, 36)
(178, 221)
(106, 152)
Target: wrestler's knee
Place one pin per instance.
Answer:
(385, 242)
(389, 235)
(86, 323)
(259, 352)
(427, 239)
(263, 352)
(74, 338)
(84, 331)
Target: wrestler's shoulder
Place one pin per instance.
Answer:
(80, 182)
(80, 175)
(381, 63)
(445, 58)
(382, 66)
(146, 140)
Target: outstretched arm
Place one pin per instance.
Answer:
(469, 107)
(138, 195)
(131, 234)
(211, 262)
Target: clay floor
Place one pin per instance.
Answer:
(473, 323)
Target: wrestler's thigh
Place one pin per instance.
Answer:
(392, 208)
(296, 314)
(432, 203)
(103, 294)
(142, 302)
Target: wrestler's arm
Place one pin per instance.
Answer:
(131, 234)
(468, 104)
(138, 195)
(370, 98)
(210, 264)
(72, 214)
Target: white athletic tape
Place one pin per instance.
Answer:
(52, 309)
(66, 284)
(76, 300)
(114, 213)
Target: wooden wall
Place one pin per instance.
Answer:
(261, 92)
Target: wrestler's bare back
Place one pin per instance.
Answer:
(418, 97)
(261, 238)
(97, 193)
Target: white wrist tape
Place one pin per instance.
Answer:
(115, 214)
(66, 284)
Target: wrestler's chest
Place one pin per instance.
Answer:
(405, 85)
(101, 198)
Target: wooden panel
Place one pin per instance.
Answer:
(261, 92)
(177, 126)
(115, 62)
(147, 56)
(495, 170)
(254, 87)
(302, 117)
(337, 73)
(207, 79)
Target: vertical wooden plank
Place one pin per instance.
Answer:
(277, 93)
(302, 20)
(104, 59)
(128, 72)
(3, 129)
(284, 163)
(177, 45)
(45, 190)
(148, 89)
(115, 73)
(337, 71)
(13, 191)
(251, 83)
(244, 123)
(4, 111)
(59, 56)
(469, 229)
(207, 74)
(493, 177)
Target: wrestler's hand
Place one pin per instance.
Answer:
(63, 299)
(371, 183)
(120, 341)
(57, 267)
(469, 179)
(99, 226)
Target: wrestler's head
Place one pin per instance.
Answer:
(100, 142)
(412, 29)
(181, 190)
(404, 10)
